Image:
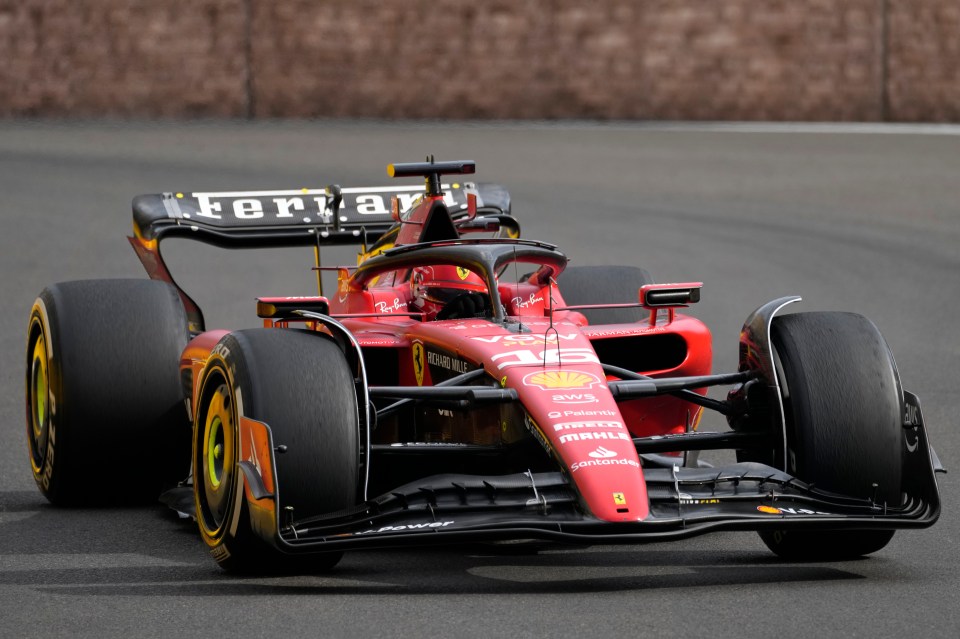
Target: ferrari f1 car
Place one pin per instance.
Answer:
(460, 385)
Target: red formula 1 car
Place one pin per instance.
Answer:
(461, 384)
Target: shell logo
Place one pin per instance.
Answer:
(554, 380)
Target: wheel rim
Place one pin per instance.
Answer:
(215, 453)
(38, 389)
(216, 467)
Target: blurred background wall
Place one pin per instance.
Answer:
(865, 60)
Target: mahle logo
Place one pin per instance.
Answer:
(566, 379)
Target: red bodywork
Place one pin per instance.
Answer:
(553, 365)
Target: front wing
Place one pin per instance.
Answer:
(684, 502)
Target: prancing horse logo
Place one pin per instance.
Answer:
(418, 362)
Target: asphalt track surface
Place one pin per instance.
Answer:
(866, 222)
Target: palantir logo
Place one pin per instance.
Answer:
(602, 453)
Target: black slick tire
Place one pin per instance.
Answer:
(605, 285)
(106, 422)
(843, 407)
(301, 386)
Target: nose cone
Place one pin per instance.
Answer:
(563, 388)
(594, 446)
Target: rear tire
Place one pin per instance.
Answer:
(605, 285)
(844, 409)
(106, 422)
(301, 386)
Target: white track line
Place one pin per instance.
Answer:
(866, 128)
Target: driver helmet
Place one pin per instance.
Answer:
(435, 286)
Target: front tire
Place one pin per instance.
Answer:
(843, 407)
(106, 422)
(301, 386)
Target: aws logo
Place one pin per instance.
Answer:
(574, 398)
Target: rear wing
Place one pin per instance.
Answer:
(271, 219)
(304, 217)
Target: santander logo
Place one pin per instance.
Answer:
(601, 456)
(602, 453)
